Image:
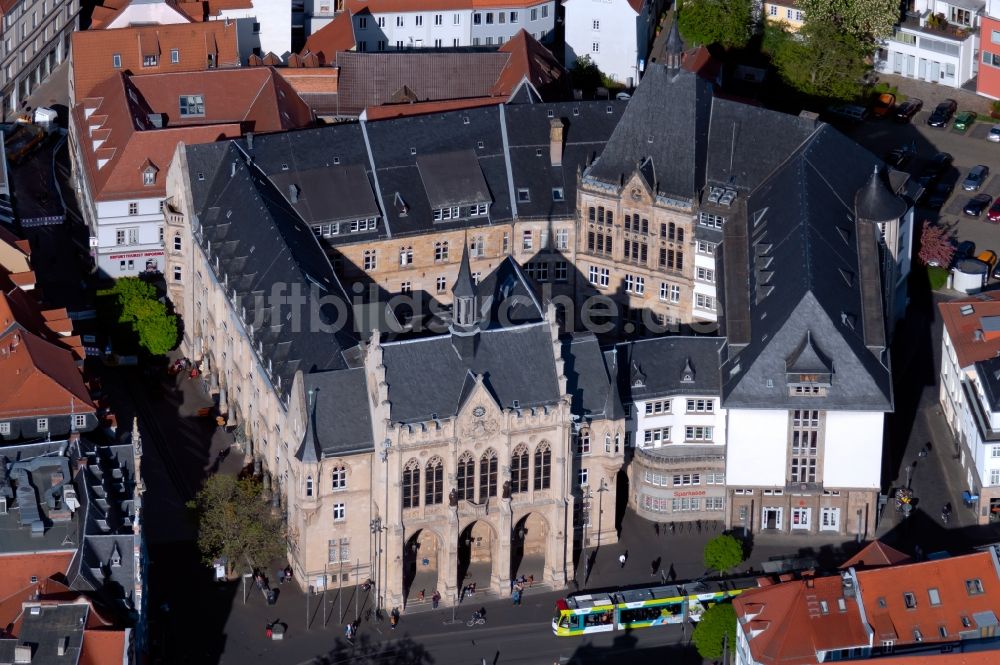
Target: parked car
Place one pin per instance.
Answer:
(965, 249)
(994, 213)
(964, 120)
(942, 113)
(908, 109)
(996, 273)
(994, 134)
(901, 156)
(977, 204)
(935, 168)
(977, 176)
(936, 196)
(989, 257)
(849, 112)
(884, 104)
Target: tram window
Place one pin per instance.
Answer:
(564, 621)
(597, 618)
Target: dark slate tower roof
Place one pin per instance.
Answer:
(807, 359)
(876, 202)
(464, 285)
(664, 131)
(674, 47)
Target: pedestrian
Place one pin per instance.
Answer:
(267, 631)
(394, 617)
(472, 589)
(348, 631)
(420, 596)
(435, 599)
(517, 596)
(531, 580)
(622, 558)
(656, 529)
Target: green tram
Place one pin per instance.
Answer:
(641, 608)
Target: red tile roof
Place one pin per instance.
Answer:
(909, 604)
(118, 140)
(530, 61)
(972, 340)
(790, 622)
(93, 50)
(103, 646)
(874, 555)
(335, 36)
(40, 378)
(16, 571)
(883, 592)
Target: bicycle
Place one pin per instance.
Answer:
(476, 619)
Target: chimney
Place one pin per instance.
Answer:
(22, 653)
(293, 194)
(556, 141)
(61, 646)
(250, 141)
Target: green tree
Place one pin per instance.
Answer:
(235, 522)
(717, 623)
(821, 60)
(725, 22)
(866, 20)
(723, 553)
(133, 302)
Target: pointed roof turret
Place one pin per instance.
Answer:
(464, 286)
(876, 202)
(309, 450)
(674, 47)
(613, 408)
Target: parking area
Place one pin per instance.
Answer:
(968, 149)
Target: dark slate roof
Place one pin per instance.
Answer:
(505, 297)
(654, 368)
(747, 143)
(97, 572)
(812, 271)
(587, 380)
(989, 377)
(452, 179)
(259, 242)
(517, 363)
(876, 201)
(667, 123)
(586, 128)
(329, 193)
(514, 150)
(464, 285)
(340, 423)
(52, 625)
(373, 79)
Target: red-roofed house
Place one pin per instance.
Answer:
(384, 25)
(616, 35)
(264, 26)
(124, 135)
(150, 49)
(910, 613)
(970, 395)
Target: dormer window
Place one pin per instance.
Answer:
(808, 371)
(149, 176)
(149, 61)
(192, 105)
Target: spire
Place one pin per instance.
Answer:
(309, 450)
(465, 314)
(613, 408)
(674, 47)
(464, 286)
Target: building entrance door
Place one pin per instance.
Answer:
(772, 518)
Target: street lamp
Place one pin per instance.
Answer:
(600, 510)
(376, 529)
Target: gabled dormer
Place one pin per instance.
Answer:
(149, 172)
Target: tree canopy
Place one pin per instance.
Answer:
(235, 522)
(134, 303)
(716, 623)
(723, 553)
(868, 21)
(936, 247)
(820, 60)
(728, 23)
